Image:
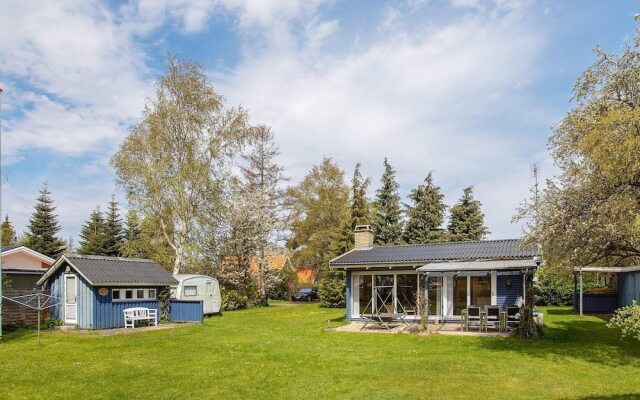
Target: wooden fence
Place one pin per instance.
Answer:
(17, 314)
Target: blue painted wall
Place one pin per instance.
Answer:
(507, 296)
(84, 297)
(595, 303)
(108, 314)
(186, 311)
(628, 288)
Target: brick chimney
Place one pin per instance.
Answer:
(364, 236)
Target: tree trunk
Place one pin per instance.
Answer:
(177, 264)
(528, 329)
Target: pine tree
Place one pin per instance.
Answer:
(133, 245)
(426, 213)
(113, 230)
(43, 227)
(387, 221)
(9, 236)
(93, 235)
(466, 221)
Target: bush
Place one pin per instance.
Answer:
(231, 300)
(554, 287)
(332, 289)
(627, 319)
(286, 286)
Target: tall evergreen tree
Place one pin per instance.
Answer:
(113, 230)
(387, 220)
(9, 236)
(426, 213)
(43, 227)
(93, 235)
(133, 245)
(360, 207)
(466, 221)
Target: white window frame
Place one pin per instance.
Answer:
(355, 294)
(184, 290)
(149, 294)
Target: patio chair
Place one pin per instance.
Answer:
(513, 316)
(474, 317)
(493, 317)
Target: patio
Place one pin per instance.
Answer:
(450, 329)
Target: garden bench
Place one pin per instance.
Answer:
(131, 315)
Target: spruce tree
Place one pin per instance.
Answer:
(387, 220)
(466, 221)
(93, 235)
(9, 236)
(360, 209)
(43, 227)
(133, 245)
(113, 230)
(426, 213)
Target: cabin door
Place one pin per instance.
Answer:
(70, 300)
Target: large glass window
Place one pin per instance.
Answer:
(434, 294)
(407, 290)
(459, 294)
(383, 294)
(364, 292)
(480, 290)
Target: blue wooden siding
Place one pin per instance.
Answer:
(108, 314)
(84, 299)
(628, 288)
(507, 296)
(186, 311)
(55, 286)
(595, 303)
(347, 295)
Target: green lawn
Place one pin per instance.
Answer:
(283, 352)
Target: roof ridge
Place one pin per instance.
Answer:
(110, 258)
(443, 243)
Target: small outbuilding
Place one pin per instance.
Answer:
(198, 287)
(623, 293)
(92, 292)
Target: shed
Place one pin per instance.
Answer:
(198, 288)
(93, 291)
(628, 289)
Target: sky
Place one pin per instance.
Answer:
(467, 89)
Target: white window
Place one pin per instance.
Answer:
(190, 291)
(132, 294)
(209, 288)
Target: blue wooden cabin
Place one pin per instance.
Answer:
(91, 292)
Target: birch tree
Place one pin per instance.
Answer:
(175, 163)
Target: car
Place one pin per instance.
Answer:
(306, 294)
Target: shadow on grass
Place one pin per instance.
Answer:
(567, 335)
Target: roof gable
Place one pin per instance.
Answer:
(432, 252)
(99, 270)
(14, 249)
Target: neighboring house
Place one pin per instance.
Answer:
(452, 275)
(307, 276)
(93, 291)
(282, 259)
(22, 267)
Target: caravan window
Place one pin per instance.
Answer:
(190, 291)
(209, 291)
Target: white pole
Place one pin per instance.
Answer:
(581, 292)
(39, 318)
(1, 213)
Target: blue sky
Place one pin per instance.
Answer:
(467, 89)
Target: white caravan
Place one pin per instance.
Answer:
(198, 287)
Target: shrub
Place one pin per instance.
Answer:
(232, 300)
(627, 319)
(554, 287)
(332, 289)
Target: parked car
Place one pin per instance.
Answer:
(306, 294)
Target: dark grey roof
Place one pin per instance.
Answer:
(113, 270)
(11, 247)
(432, 252)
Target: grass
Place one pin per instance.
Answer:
(283, 352)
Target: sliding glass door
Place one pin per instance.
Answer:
(459, 294)
(389, 293)
(480, 290)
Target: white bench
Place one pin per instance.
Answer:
(131, 315)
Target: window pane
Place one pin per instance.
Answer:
(140, 294)
(190, 290)
(209, 286)
(152, 293)
(407, 291)
(70, 289)
(435, 294)
(459, 294)
(128, 294)
(383, 294)
(115, 294)
(480, 290)
(364, 291)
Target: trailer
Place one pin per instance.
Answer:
(198, 287)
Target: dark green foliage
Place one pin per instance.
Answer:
(231, 300)
(93, 236)
(387, 220)
(466, 221)
(426, 214)
(113, 230)
(554, 287)
(332, 289)
(43, 227)
(359, 204)
(9, 236)
(528, 329)
(133, 245)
